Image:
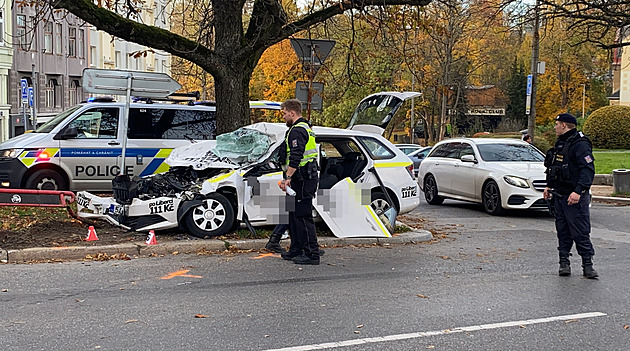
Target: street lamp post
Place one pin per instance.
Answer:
(583, 98)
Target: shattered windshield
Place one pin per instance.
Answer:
(242, 145)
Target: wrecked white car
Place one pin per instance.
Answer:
(214, 185)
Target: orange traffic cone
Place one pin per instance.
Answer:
(151, 238)
(91, 234)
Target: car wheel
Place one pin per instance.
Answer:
(46, 179)
(491, 197)
(431, 191)
(379, 202)
(213, 217)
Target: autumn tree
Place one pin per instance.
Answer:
(220, 39)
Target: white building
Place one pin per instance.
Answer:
(6, 60)
(119, 54)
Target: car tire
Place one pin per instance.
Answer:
(431, 191)
(491, 197)
(46, 179)
(213, 217)
(379, 202)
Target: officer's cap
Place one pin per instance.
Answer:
(567, 118)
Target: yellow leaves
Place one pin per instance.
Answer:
(101, 256)
(201, 316)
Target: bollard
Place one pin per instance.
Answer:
(621, 180)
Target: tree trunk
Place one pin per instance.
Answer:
(231, 90)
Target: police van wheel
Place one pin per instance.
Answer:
(491, 197)
(46, 179)
(431, 191)
(213, 217)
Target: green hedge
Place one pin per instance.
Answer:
(609, 127)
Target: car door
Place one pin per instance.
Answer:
(92, 156)
(264, 200)
(441, 164)
(464, 175)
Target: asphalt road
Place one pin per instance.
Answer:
(490, 284)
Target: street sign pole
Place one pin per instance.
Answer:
(125, 126)
(311, 74)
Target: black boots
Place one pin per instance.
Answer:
(565, 265)
(587, 267)
(274, 243)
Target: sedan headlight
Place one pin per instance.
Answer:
(12, 153)
(516, 181)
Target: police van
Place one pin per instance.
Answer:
(81, 148)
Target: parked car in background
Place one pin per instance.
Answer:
(408, 148)
(498, 173)
(417, 156)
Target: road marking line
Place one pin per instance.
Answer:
(336, 344)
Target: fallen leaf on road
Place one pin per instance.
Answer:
(77, 300)
(357, 332)
(175, 252)
(266, 335)
(521, 326)
(444, 257)
(201, 316)
(431, 347)
(422, 296)
(360, 326)
(570, 321)
(626, 326)
(5, 290)
(130, 321)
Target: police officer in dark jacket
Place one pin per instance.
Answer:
(301, 176)
(570, 173)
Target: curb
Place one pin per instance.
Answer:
(618, 200)
(188, 247)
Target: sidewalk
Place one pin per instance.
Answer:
(138, 249)
(603, 193)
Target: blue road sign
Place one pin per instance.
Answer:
(30, 96)
(529, 84)
(24, 90)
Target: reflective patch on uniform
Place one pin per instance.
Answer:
(294, 143)
(588, 159)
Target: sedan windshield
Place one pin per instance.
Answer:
(510, 153)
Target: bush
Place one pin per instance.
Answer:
(609, 127)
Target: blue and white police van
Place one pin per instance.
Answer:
(81, 148)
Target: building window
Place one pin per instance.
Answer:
(118, 59)
(73, 92)
(21, 32)
(80, 43)
(72, 40)
(58, 45)
(92, 56)
(50, 93)
(1, 27)
(156, 64)
(48, 32)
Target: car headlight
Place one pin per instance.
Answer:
(516, 181)
(12, 153)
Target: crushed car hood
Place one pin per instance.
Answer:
(241, 148)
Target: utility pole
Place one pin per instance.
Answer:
(531, 119)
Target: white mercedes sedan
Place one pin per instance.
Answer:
(500, 174)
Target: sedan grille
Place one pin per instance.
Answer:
(540, 185)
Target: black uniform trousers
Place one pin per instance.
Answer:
(301, 224)
(573, 224)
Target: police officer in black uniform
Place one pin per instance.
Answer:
(301, 176)
(570, 173)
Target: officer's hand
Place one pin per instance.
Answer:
(574, 198)
(282, 185)
(546, 194)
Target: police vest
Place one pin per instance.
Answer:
(559, 166)
(310, 150)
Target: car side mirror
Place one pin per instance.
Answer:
(68, 133)
(469, 158)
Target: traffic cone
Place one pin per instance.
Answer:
(91, 234)
(151, 238)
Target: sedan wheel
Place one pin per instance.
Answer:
(431, 191)
(491, 197)
(213, 217)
